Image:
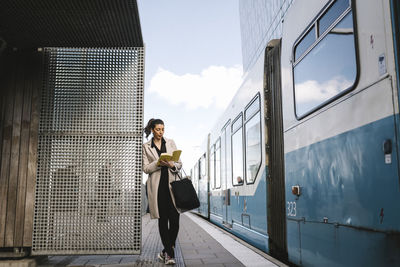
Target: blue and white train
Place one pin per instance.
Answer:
(304, 163)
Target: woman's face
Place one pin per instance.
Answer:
(158, 131)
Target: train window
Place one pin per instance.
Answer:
(237, 151)
(252, 108)
(196, 170)
(203, 166)
(228, 158)
(332, 14)
(218, 164)
(212, 167)
(223, 155)
(305, 43)
(253, 147)
(329, 69)
(237, 123)
(225, 152)
(195, 175)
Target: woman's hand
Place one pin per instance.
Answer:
(169, 164)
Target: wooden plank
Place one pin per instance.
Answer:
(3, 98)
(33, 145)
(23, 154)
(6, 149)
(14, 163)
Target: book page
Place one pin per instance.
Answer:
(168, 157)
(176, 155)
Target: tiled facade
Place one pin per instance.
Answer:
(260, 21)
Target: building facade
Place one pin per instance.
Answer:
(260, 21)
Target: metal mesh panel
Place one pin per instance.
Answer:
(88, 192)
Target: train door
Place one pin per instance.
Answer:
(216, 199)
(395, 10)
(208, 153)
(276, 216)
(195, 178)
(225, 174)
(203, 186)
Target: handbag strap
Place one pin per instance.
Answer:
(180, 176)
(183, 171)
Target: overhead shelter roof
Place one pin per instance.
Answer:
(70, 23)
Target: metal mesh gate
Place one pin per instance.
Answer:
(89, 155)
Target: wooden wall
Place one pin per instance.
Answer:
(20, 83)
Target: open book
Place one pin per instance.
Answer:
(170, 157)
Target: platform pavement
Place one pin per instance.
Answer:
(199, 244)
(199, 248)
(245, 253)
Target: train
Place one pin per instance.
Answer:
(304, 162)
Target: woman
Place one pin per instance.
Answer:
(161, 200)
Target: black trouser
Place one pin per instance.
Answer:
(168, 223)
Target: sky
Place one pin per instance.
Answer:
(193, 66)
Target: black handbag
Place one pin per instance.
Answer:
(184, 193)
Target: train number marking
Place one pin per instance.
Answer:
(291, 208)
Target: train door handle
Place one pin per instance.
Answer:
(387, 150)
(387, 146)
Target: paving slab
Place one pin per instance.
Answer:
(199, 247)
(18, 263)
(199, 243)
(244, 253)
(151, 246)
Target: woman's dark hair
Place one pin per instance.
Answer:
(150, 125)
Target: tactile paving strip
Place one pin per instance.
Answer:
(151, 247)
(88, 192)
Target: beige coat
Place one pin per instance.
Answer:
(150, 158)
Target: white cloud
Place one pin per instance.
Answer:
(311, 90)
(215, 85)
